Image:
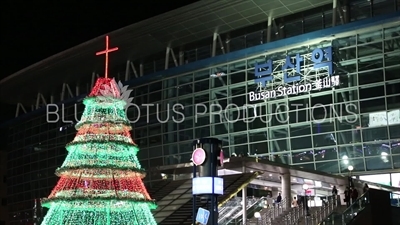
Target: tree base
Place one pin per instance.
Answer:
(106, 213)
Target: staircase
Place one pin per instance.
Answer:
(174, 195)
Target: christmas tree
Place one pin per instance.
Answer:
(101, 178)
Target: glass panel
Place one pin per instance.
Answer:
(328, 167)
(357, 164)
(235, 78)
(375, 149)
(238, 139)
(219, 129)
(201, 75)
(348, 137)
(325, 154)
(300, 130)
(371, 92)
(184, 79)
(201, 85)
(240, 150)
(302, 157)
(301, 143)
(394, 131)
(281, 158)
(379, 163)
(350, 151)
(370, 77)
(258, 148)
(396, 161)
(375, 134)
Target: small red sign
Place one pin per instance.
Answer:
(198, 156)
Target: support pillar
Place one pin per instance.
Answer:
(174, 57)
(244, 205)
(228, 42)
(181, 57)
(214, 45)
(141, 69)
(269, 29)
(334, 12)
(206, 161)
(167, 51)
(286, 190)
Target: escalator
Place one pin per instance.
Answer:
(373, 207)
(235, 216)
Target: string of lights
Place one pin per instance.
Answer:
(101, 177)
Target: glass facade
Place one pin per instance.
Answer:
(360, 128)
(356, 123)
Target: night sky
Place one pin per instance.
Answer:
(35, 30)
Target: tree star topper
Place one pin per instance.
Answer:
(106, 51)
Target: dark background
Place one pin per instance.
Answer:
(35, 30)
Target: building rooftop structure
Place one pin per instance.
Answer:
(141, 41)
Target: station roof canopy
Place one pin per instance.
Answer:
(250, 164)
(185, 25)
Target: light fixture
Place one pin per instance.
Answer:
(257, 215)
(350, 168)
(270, 175)
(305, 186)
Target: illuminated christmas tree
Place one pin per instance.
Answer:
(101, 178)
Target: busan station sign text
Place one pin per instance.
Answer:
(293, 74)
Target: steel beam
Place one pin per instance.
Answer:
(127, 70)
(181, 56)
(228, 43)
(221, 44)
(269, 28)
(334, 12)
(167, 51)
(340, 12)
(141, 69)
(130, 65)
(214, 45)
(173, 57)
(40, 99)
(19, 107)
(66, 87)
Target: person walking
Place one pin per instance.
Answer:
(334, 195)
(347, 195)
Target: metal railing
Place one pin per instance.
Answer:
(268, 215)
(356, 206)
(344, 218)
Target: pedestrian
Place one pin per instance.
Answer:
(347, 196)
(294, 203)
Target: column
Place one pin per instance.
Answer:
(269, 29)
(286, 190)
(244, 205)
